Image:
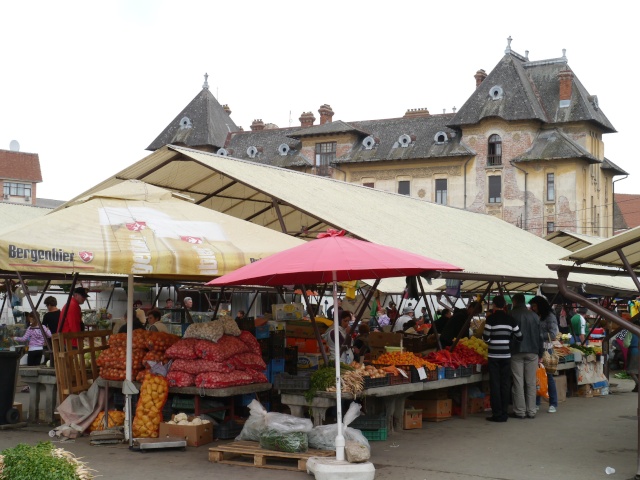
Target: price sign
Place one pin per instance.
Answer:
(422, 374)
(403, 373)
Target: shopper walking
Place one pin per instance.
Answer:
(525, 356)
(549, 331)
(35, 339)
(499, 330)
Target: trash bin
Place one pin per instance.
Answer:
(9, 364)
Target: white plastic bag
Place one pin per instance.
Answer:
(283, 423)
(256, 424)
(323, 437)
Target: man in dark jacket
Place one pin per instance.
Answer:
(499, 329)
(525, 356)
(456, 322)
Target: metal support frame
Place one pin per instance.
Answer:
(316, 331)
(433, 323)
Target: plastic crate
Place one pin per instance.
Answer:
(432, 375)
(262, 332)
(398, 379)
(228, 430)
(414, 343)
(566, 358)
(375, 435)
(370, 422)
(466, 371)
(284, 381)
(450, 372)
(291, 360)
(274, 367)
(376, 382)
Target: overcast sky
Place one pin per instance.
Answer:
(89, 85)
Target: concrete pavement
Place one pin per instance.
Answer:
(578, 442)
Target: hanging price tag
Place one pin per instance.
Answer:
(422, 374)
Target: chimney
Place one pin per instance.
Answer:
(307, 119)
(326, 113)
(257, 125)
(416, 112)
(480, 76)
(565, 77)
(226, 108)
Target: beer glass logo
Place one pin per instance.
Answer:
(86, 256)
(190, 239)
(136, 226)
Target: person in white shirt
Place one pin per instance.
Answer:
(407, 315)
(344, 331)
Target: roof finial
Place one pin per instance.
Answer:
(205, 86)
(508, 49)
(526, 55)
(564, 54)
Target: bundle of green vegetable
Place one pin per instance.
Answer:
(324, 378)
(294, 442)
(42, 462)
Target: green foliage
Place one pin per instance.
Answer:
(323, 378)
(26, 462)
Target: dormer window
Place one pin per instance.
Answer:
(496, 92)
(441, 137)
(325, 155)
(494, 153)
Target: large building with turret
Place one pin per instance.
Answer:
(526, 146)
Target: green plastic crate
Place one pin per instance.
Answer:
(375, 435)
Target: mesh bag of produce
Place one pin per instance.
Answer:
(118, 340)
(211, 331)
(246, 361)
(160, 341)
(226, 347)
(251, 342)
(115, 418)
(195, 367)
(222, 380)
(153, 396)
(180, 379)
(230, 326)
(184, 348)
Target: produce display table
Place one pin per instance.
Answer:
(40, 380)
(198, 393)
(393, 396)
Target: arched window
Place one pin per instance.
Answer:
(494, 156)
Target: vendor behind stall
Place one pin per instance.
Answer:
(456, 322)
(344, 331)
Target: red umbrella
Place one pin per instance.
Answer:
(332, 258)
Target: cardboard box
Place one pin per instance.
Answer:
(379, 340)
(585, 391)
(310, 361)
(412, 419)
(303, 329)
(433, 410)
(305, 345)
(475, 405)
(18, 406)
(561, 387)
(195, 435)
(287, 311)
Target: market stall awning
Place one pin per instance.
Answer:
(606, 252)
(572, 241)
(137, 228)
(302, 205)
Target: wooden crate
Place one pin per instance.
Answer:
(74, 373)
(250, 454)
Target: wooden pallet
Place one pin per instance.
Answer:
(250, 454)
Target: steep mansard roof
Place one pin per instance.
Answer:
(530, 91)
(203, 122)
